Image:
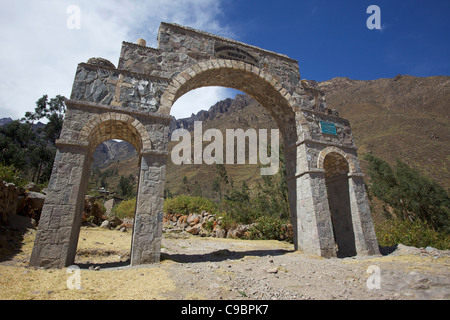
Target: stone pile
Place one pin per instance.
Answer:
(210, 225)
(204, 224)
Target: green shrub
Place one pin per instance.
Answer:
(270, 228)
(227, 222)
(187, 204)
(239, 211)
(125, 209)
(411, 233)
(11, 175)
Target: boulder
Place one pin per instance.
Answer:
(109, 204)
(20, 222)
(35, 200)
(115, 222)
(193, 219)
(218, 232)
(8, 200)
(182, 222)
(105, 224)
(239, 231)
(195, 230)
(31, 186)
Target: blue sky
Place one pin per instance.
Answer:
(329, 38)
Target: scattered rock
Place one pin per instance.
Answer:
(182, 222)
(31, 186)
(193, 219)
(272, 270)
(115, 222)
(218, 232)
(195, 230)
(105, 224)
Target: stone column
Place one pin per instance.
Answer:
(314, 227)
(365, 237)
(147, 231)
(59, 226)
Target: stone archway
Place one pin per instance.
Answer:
(113, 125)
(57, 237)
(133, 102)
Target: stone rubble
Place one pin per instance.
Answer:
(206, 224)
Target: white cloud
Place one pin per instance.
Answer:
(200, 99)
(39, 53)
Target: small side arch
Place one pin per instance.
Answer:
(353, 168)
(113, 125)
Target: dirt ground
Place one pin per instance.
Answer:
(220, 269)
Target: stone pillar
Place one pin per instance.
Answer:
(147, 231)
(59, 226)
(365, 237)
(314, 227)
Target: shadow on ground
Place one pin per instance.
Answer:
(221, 255)
(10, 242)
(385, 251)
(216, 256)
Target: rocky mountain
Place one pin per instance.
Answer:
(112, 151)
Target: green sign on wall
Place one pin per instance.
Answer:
(328, 127)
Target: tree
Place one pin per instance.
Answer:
(30, 149)
(272, 194)
(186, 185)
(221, 183)
(53, 110)
(126, 185)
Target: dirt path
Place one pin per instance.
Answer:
(211, 268)
(214, 269)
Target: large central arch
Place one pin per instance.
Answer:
(133, 102)
(262, 86)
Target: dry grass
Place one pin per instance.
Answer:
(19, 282)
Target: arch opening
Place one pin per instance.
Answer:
(110, 197)
(259, 84)
(336, 179)
(263, 89)
(113, 182)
